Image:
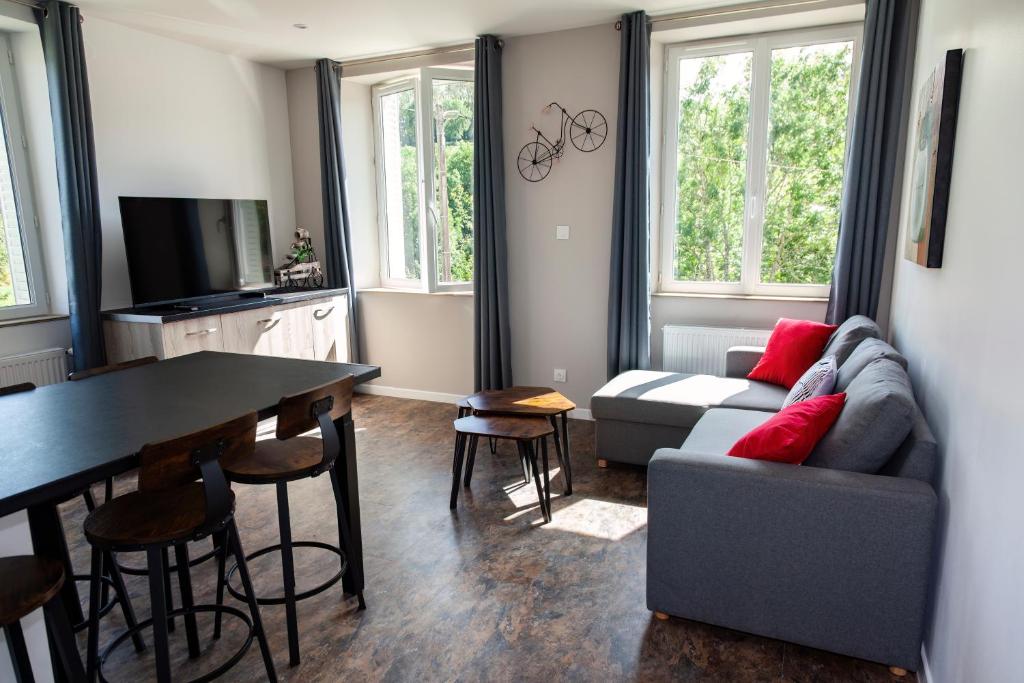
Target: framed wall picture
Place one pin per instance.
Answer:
(934, 131)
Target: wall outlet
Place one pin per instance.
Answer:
(561, 232)
(559, 374)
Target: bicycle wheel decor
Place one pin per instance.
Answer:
(587, 132)
(535, 161)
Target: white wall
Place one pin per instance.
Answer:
(960, 329)
(173, 119)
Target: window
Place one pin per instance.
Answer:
(754, 153)
(423, 127)
(22, 279)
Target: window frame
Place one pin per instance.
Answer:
(421, 82)
(24, 197)
(760, 46)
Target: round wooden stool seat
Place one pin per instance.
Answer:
(275, 460)
(515, 427)
(26, 584)
(142, 519)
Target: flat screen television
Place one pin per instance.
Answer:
(186, 248)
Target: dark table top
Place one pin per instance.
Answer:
(59, 438)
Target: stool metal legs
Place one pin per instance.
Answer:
(288, 571)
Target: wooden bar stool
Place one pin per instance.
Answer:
(27, 583)
(525, 431)
(169, 510)
(288, 458)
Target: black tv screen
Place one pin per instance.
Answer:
(186, 248)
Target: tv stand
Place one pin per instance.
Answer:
(310, 324)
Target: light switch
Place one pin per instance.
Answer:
(561, 232)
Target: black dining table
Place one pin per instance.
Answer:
(58, 439)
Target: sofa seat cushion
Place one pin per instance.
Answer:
(720, 428)
(677, 399)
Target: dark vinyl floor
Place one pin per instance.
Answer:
(481, 594)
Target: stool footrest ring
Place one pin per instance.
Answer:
(197, 609)
(107, 606)
(280, 600)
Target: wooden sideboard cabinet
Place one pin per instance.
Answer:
(313, 328)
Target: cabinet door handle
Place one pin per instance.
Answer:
(264, 320)
(209, 330)
(269, 323)
(321, 314)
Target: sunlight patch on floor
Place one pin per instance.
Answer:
(598, 519)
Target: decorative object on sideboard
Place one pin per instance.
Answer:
(303, 268)
(934, 134)
(587, 131)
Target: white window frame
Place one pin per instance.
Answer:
(422, 84)
(761, 47)
(24, 200)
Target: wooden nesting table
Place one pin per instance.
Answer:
(535, 402)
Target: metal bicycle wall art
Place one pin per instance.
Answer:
(587, 131)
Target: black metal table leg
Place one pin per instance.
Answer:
(58, 628)
(566, 454)
(547, 481)
(460, 454)
(471, 459)
(350, 494)
(560, 455)
(48, 541)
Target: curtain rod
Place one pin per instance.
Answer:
(748, 8)
(398, 56)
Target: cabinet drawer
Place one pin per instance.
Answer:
(329, 319)
(281, 331)
(195, 334)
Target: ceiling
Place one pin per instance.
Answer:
(264, 31)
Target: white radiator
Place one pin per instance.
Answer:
(701, 350)
(48, 366)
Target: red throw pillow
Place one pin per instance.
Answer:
(792, 433)
(794, 346)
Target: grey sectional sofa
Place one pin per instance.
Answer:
(835, 554)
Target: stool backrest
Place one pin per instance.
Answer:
(113, 367)
(300, 413)
(182, 460)
(17, 388)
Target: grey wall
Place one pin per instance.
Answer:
(559, 288)
(961, 329)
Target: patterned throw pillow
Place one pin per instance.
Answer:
(819, 380)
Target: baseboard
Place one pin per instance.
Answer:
(438, 397)
(399, 392)
(925, 674)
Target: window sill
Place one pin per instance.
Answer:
(13, 322)
(745, 297)
(398, 290)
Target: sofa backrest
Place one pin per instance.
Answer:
(852, 332)
(877, 417)
(867, 351)
(917, 456)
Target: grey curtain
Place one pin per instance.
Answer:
(337, 225)
(871, 167)
(629, 292)
(70, 109)
(492, 335)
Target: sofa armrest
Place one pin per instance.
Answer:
(740, 360)
(830, 559)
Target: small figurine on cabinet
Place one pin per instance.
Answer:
(302, 268)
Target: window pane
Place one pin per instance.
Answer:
(807, 141)
(401, 184)
(453, 179)
(14, 284)
(714, 103)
